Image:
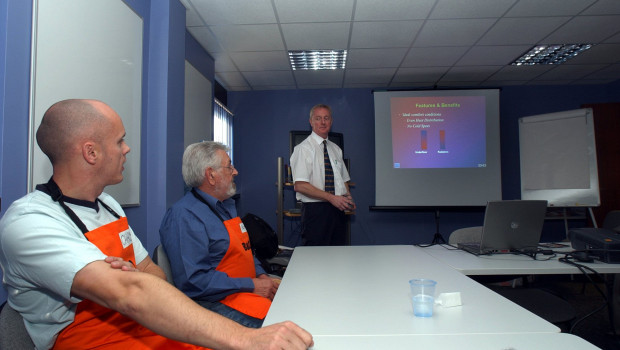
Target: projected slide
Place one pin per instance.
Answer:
(438, 132)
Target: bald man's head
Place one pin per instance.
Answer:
(66, 124)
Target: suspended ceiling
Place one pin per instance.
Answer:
(405, 43)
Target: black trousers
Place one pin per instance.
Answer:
(323, 224)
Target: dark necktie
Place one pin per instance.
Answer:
(329, 172)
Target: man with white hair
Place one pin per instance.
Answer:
(207, 244)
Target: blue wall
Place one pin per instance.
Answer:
(264, 118)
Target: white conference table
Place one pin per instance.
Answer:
(364, 290)
(507, 264)
(515, 341)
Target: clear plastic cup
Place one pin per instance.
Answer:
(423, 296)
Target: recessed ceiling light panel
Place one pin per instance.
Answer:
(550, 54)
(317, 59)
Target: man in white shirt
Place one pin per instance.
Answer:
(321, 182)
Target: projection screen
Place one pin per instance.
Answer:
(437, 148)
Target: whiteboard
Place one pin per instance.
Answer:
(558, 158)
(87, 49)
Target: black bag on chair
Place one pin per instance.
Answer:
(263, 238)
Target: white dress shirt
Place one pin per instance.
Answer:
(307, 165)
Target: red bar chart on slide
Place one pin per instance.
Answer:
(442, 140)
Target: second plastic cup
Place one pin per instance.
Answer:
(423, 295)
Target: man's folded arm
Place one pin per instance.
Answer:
(155, 304)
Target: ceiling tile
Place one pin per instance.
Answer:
(300, 11)
(258, 37)
(412, 75)
(469, 74)
(367, 35)
(470, 9)
(316, 36)
(613, 39)
(372, 58)
(519, 31)
(434, 56)
(373, 10)
(603, 7)
(586, 29)
(492, 55)
(519, 73)
(363, 85)
(376, 75)
(569, 72)
(456, 32)
(269, 78)
(257, 61)
(533, 8)
(231, 79)
(500, 83)
(235, 11)
(274, 87)
(412, 85)
(319, 86)
(319, 77)
(458, 84)
(605, 73)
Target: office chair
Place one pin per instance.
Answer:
(161, 259)
(13, 334)
(543, 303)
(465, 235)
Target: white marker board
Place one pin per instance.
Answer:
(558, 158)
(88, 49)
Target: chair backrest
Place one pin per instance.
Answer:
(612, 220)
(13, 334)
(161, 259)
(465, 235)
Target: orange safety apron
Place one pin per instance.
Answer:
(95, 326)
(238, 262)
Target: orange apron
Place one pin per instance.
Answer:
(95, 326)
(238, 262)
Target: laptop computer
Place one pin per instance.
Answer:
(510, 225)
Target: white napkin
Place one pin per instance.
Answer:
(449, 299)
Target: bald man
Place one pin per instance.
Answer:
(76, 271)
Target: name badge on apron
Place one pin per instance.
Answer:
(125, 237)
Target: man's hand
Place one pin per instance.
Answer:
(344, 202)
(265, 286)
(119, 263)
(285, 335)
